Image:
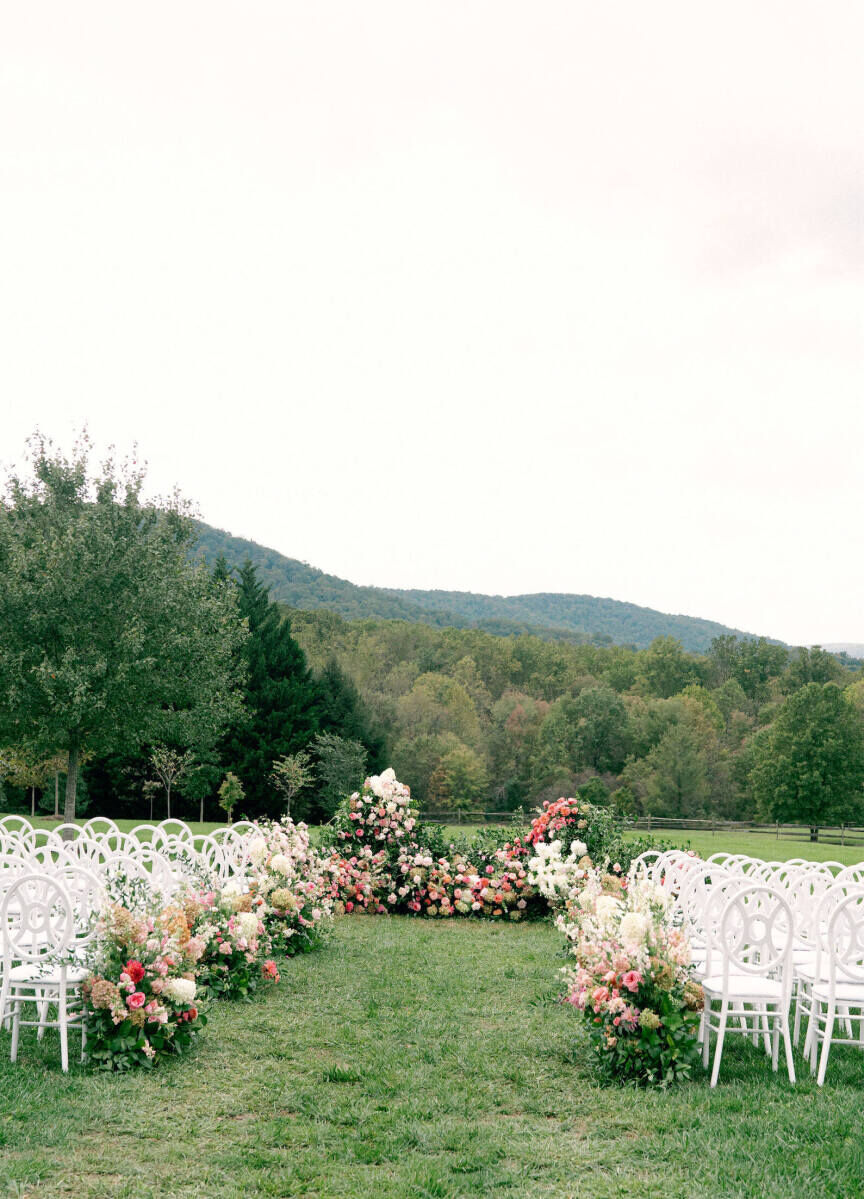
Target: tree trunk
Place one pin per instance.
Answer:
(201, 812)
(56, 794)
(168, 793)
(71, 788)
(32, 803)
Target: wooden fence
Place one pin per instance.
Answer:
(844, 834)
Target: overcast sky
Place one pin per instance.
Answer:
(502, 297)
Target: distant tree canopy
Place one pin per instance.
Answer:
(116, 649)
(110, 638)
(673, 732)
(576, 619)
(808, 766)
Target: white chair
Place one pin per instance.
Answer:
(211, 855)
(98, 827)
(643, 866)
(15, 824)
(843, 993)
(852, 874)
(755, 941)
(176, 829)
(37, 922)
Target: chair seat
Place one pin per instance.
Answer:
(744, 986)
(46, 976)
(806, 970)
(848, 994)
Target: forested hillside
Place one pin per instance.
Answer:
(477, 720)
(574, 618)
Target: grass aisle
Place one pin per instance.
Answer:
(413, 1060)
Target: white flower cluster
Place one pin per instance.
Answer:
(246, 924)
(181, 990)
(555, 876)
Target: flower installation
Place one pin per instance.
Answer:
(631, 979)
(154, 962)
(141, 995)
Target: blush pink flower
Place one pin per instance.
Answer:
(631, 980)
(136, 999)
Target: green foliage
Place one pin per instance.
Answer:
(650, 1056)
(666, 668)
(109, 637)
(282, 703)
(809, 765)
(341, 770)
(230, 794)
(574, 618)
(121, 1047)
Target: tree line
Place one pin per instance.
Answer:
(142, 677)
(151, 683)
(750, 729)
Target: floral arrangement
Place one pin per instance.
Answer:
(140, 997)
(631, 980)
(378, 816)
(293, 885)
(234, 959)
(555, 876)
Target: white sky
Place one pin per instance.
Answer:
(502, 297)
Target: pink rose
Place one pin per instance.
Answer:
(137, 999)
(226, 947)
(631, 980)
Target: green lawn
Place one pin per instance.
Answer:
(419, 1060)
(126, 826)
(762, 845)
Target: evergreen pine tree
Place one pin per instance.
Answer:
(343, 713)
(282, 699)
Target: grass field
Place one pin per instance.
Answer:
(126, 826)
(762, 845)
(411, 1060)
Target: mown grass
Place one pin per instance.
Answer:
(419, 1060)
(761, 845)
(125, 825)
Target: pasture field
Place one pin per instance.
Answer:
(419, 1060)
(761, 845)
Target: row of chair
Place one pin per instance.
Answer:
(764, 935)
(52, 890)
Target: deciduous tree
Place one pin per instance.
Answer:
(109, 634)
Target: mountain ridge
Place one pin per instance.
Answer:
(553, 615)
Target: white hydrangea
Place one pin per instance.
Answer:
(257, 850)
(246, 924)
(607, 908)
(633, 930)
(181, 990)
(280, 864)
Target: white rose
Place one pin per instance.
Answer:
(578, 849)
(280, 864)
